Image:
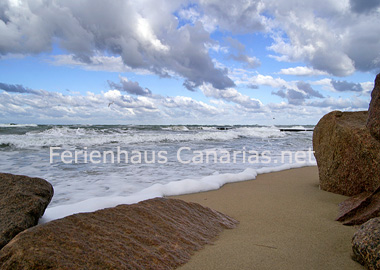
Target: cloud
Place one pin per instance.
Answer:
(298, 96)
(231, 95)
(17, 88)
(302, 100)
(268, 80)
(250, 62)
(340, 103)
(236, 44)
(253, 86)
(96, 63)
(48, 107)
(336, 37)
(367, 86)
(188, 106)
(329, 36)
(343, 86)
(190, 59)
(359, 6)
(306, 87)
(318, 47)
(145, 38)
(126, 101)
(130, 87)
(294, 97)
(326, 35)
(302, 71)
(235, 16)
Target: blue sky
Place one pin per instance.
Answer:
(186, 62)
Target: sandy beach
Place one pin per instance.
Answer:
(286, 222)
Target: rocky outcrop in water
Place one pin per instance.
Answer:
(366, 244)
(348, 156)
(23, 201)
(153, 234)
(373, 122)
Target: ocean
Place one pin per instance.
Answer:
(97, 166)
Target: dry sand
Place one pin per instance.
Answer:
(286, 222)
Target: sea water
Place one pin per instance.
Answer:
(97, 166)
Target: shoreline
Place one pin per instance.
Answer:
(174, 188)
(286, 222)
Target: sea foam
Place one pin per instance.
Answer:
(186, 186)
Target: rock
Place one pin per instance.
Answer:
(348, 157)
(360, 208)
(373, 121)
(366, 244)
(23, 201)
(154, 234)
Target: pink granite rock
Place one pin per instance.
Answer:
(373, 121)
(23, 201)
(153, 234)
(348, 156)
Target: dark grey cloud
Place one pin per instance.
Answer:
(130, 87)
(364, 6)
(253, 86)
(190, 59)
(306, 87)
(249, 62)
(298, 97)
(145, 38)
(343, 86)
(280, 93)
(294, 97)
(3, 12)
(333, 61)
(17, 88)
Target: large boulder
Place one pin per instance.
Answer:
(373, 121)
(23, 201)
(348, 156)
(153, 234)
(366, 244)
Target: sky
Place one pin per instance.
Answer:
(266, 62)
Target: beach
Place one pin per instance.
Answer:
(286, 222)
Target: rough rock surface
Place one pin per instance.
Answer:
(153, 234)
(373, 122)
(23, 201)
(366, 244)
(360, 208)
(348, 156)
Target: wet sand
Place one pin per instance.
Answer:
(286, 222)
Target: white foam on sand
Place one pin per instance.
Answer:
(211, 182)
